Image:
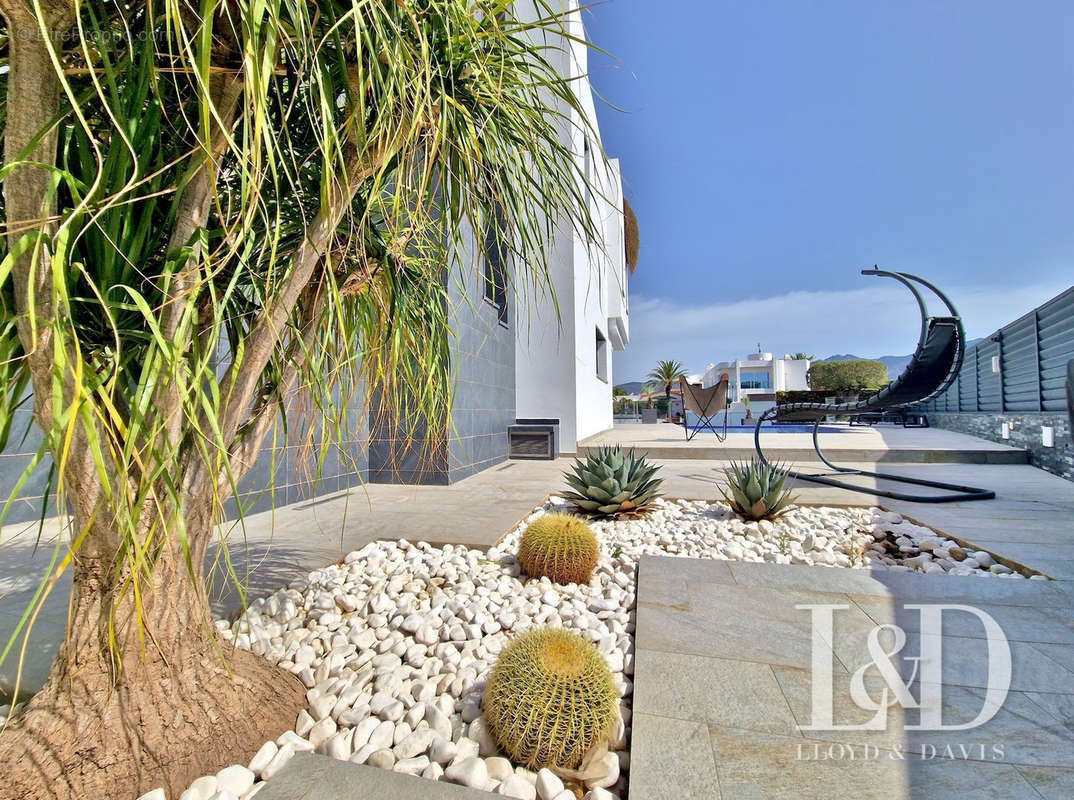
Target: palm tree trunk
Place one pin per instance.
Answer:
(126, 709)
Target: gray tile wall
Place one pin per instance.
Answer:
(284, 473)
(22, 445)
(483, 375)
(483, 354)
(403, 449)
(484, 402)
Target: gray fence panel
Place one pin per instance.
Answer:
(1033, 353)
(967, 382)
(1019, 367)
(989, 384)
(1056, 349)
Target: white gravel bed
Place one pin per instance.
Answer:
(394, 644)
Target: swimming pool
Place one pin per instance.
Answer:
(782, 428)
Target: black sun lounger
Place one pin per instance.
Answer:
(932, 368)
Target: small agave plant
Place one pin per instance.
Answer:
(756, 490)
(611, 482)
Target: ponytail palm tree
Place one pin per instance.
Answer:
(210, 211)
(666, 373)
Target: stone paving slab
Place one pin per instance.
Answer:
(678, 762)
(314, 777)
(722, 654)
(859, 444)
(909, 585)
(762, 766)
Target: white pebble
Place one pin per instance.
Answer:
(468, 772)
(278, 761)
(518, 787)
(548, 784)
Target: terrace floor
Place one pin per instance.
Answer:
(722, 673)
(724, 669)
(849, 444)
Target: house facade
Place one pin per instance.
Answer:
(756, 378)
(529, 360)
(564, 344)
(760, 374)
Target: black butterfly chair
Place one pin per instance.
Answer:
(932, 368)
(706, 404)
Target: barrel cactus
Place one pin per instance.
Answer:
(560, 547)
(756, 490)
(550, 699)
(611, 482)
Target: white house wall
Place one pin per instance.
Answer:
(556, 360)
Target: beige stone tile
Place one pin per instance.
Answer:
(1052, 783)
(705, 570)
(739, 694)
(1021, 623)
(964, 659)
(671, 759)
(1025, 734)
(744, 623)
(913, 587)
(759, 766)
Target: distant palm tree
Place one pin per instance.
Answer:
(667, 372)
(647, 393)
(804, 356)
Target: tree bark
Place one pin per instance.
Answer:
(127, 706)
(178, 704)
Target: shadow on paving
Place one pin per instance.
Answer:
(262, 568)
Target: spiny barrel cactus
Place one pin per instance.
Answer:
(550, 699)
(756, 490)
(560, 547)
(612, 482)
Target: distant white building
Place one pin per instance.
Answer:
(563, 359)
(760, 374)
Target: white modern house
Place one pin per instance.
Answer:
(563, 360)
(761, 374)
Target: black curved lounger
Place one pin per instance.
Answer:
(932, 368)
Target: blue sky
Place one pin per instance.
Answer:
(772, 149)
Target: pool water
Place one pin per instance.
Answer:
(783, 428)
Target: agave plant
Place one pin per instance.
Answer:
(756, 490)
(612, 482)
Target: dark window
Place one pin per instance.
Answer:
(602, 356)
(496, 255)
(756, 380)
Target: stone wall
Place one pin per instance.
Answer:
(1025, 433)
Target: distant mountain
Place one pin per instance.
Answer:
(895, 364)
(632, 387)
(841, 357)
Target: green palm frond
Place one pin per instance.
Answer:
(256, 201)
(666, 372)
